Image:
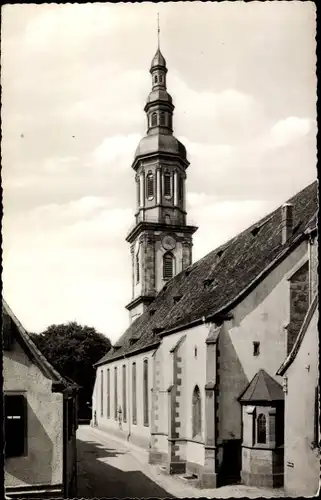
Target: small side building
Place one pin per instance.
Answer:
(40, 414)
(302, 398)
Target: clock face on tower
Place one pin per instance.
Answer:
(168, 242)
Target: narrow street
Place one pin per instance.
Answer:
(108, 467)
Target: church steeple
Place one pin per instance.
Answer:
(161, 241)
(159, 106)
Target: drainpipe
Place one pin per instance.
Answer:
(128, 399)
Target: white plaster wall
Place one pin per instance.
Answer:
(195, 453)
(44, 459)
(139, 430)
(261, 316)
(194, 373)
(303, 477)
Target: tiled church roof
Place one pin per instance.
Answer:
(215, 283)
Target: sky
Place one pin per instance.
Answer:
(75, 79)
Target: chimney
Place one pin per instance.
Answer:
(287, 221)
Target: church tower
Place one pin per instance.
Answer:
(161, 240)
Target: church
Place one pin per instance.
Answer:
(198, 378)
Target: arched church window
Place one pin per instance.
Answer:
(108, 393)
(162, 118)
(134, 393)
(115, 393)
(150, 186)
(261, 428)
(137, 268)
(156, 79)
(168, 266)
(196, 413)
(161, 78)
(101, 393)
(167, 185)
(167, 219)
(145, 392)
(154, 119)
(124, 394)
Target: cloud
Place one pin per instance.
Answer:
(120, 148)
(290, 130)
(221, 114)
(218, 221)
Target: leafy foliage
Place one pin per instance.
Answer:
(73, 349)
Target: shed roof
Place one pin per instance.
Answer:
(233, 270)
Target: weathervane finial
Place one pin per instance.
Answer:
(158, 28)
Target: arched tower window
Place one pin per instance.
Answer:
(162, 118)
(180, 188)
(154, 119)
(196, 413)
(150, 186)
(167, 185)
(168, 266)
(261, 428)
(156, 79)
(138, 192)
(137, 268)
(161, 78)
(145, 392)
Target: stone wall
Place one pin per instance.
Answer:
(299, 303)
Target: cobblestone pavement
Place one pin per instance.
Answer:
(109, 467)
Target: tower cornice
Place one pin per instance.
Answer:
(159, 155)
(159, 226)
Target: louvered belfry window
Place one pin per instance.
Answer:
(154, 119)
(162, 118)
(15, 412)
(137, 268)
(180, 188)
(150, 185)
(167, 185)
(168, 266)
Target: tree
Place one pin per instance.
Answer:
(73, 349)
